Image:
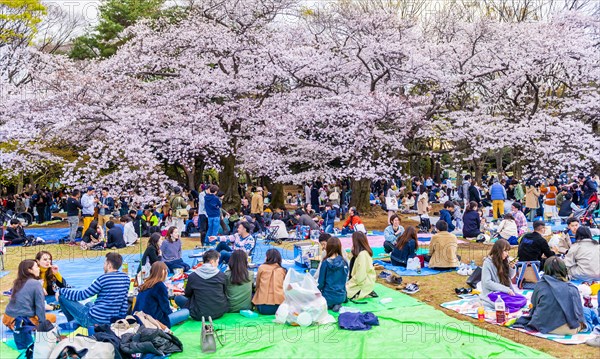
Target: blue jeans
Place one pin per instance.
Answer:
(225, 251)
(328, 229)
(181, 301)
(214, 223)
(267, 309)
(591, 319)
(74, 310)
(177, 263)
(179, 316)
(347, 230)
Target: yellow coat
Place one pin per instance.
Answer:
(363, 276)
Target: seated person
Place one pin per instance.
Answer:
(15, 234)
(269, 284)
(92, 237)
(111, 290)
(567, 238)
(353, 219)
(567, 207)
(443, 247)
(139, 225)
(205, 291)
(153, 298)
(281, 232)
(192, 225)
(114, 236)
(306, 220)
(446, 215)
(391, 233)
(497, 272)
(242, 240)
(561, 314)
(583, 259)
(332, 275)
(27, 298)
(361, 281)
(405, 248)
(471, 221)
(151, 220)
(130, 236)
(507, 229)
(533, 245)
(52, 280)
(238, 281)
(171, 251)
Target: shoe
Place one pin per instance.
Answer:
(373, 295)
(336, 308)
(463, 271)
(594, 341)
(411, 288)
(469, 271)
(384, 275)
(7, 293)
(394, 280)
(460, 291)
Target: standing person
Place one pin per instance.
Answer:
(392, 192)
(238, 281)
(531, 198)
(314, 197)
(306, 193)
(269, 284)
(588, 188)
(474, 193)
(471, 221)
(391, 233)
(202, 218)
(497, 272)
(257, 208)
(550, 192)
(465, 189)
(179, 212)
(171, 251)
(39, 200)
(88, 202)
(423, 202)
(518, 191)
(153, 298)
(27, 298)
(106, 206)
(333, 273)
(73, 207)
(361, 281)
(110, 290)
(498, 196)
(212, 203)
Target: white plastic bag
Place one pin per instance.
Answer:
(45, 343)
(413, 264)
(302, 299)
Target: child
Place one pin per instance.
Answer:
(457, 215)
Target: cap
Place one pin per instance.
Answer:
(90, 188)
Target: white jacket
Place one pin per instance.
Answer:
(129, 234)
(583, 260)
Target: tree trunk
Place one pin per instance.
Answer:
(499, 166)
(478, 171)
(437, 172)
(20, 184)
(229, 183)
(190, 175)
(361, 189)
(277, 195)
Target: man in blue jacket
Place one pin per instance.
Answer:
(446, 215)
(212, 204)
(498, 195)
(106, 206)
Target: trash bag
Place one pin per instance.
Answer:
(304, 304)
(413, 264)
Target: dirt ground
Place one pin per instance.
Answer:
(435, 290)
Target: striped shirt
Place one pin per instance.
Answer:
(111, 290)
(244, 244)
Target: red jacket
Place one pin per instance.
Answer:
(352, 221)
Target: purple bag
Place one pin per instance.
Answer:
(357, 321)
(513, 303)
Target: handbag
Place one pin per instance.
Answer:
(474, 278)
(391, 203)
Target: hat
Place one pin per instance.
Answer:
(90, 188)
(177, 190)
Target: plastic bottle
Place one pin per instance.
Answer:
(125, 268)
(500, 310)
(481, 314)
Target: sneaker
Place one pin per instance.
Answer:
(72, 244)
(395, 280)
(594, 341)
(469, 271)
(463, 271)
(7, 293)
(385, 275)
(373, 295)
(411, 288)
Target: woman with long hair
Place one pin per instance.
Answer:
(471, 221)
(52, 280)
(152, 254)
(406, 247)
(497, 272)
(583, 258)
(92, 236)
(153, 298)
(362, 274)
(171, 250)
(238, 282)
(333, 275)
(27, 298)
(269, 284)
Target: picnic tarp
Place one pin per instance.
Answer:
(407, 326)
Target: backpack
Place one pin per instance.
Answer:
(461, 192)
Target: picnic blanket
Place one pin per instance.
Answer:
(3, 273)
(469, 305)
(401, 271)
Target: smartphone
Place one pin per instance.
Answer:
(515, 260)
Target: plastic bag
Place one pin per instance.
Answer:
(413, 264)
(303, 304)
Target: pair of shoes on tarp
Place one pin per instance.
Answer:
(411, 288)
